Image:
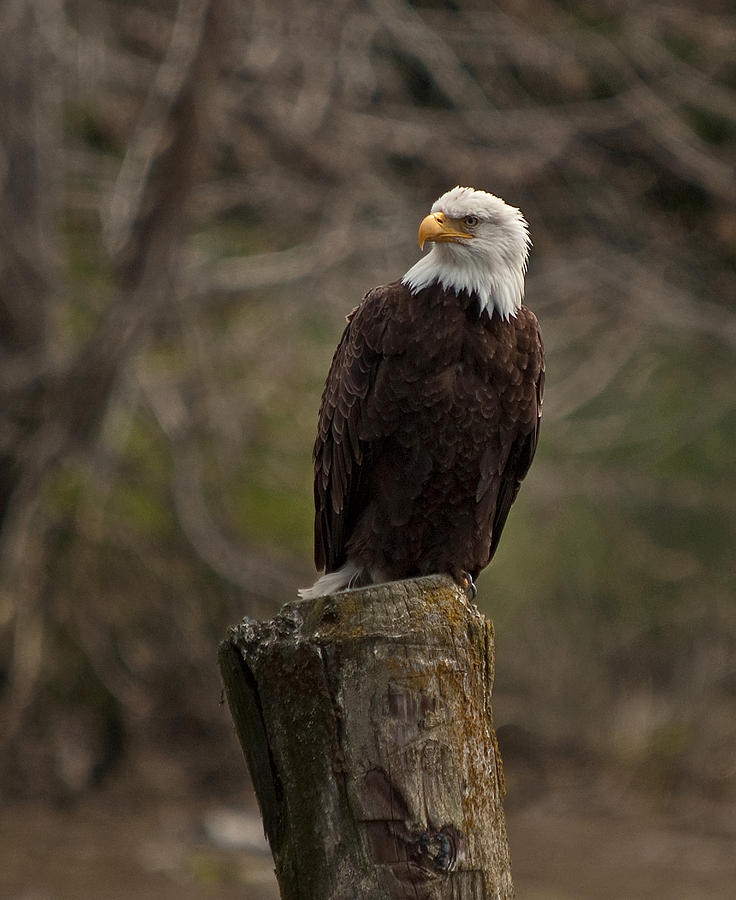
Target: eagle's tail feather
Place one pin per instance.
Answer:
(344, 577)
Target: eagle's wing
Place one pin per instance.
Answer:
(524, 444)
(342, 461)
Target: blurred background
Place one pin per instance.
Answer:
(194, 196)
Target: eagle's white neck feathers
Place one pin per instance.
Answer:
(491, 264)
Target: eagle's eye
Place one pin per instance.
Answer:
(471, 221)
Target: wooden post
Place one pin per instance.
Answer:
(365, 719)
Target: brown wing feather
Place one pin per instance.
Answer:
(342, 460)
(529, 411)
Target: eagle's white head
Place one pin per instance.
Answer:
(480, 244)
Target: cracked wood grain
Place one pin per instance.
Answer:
(365, 718)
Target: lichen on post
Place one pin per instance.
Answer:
(366, 721)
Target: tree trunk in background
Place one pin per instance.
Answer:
(53, 396)
(366, 721)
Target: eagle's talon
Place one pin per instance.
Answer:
(468, 585)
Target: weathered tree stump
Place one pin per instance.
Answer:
(365, 718)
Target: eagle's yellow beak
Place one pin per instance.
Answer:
(437, 227)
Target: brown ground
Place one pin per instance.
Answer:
(567, 846)
(568, 842)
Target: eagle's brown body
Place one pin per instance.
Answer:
(428, 424)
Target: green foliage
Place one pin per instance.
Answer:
(85, 123)
(419, 82)
(276, 515)
(711, 127)
(589, 14)
(680, 44)
(140, 497)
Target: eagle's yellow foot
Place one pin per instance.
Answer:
(468, 585)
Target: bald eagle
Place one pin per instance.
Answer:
(430, 415)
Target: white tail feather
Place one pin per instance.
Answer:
(331, 582)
